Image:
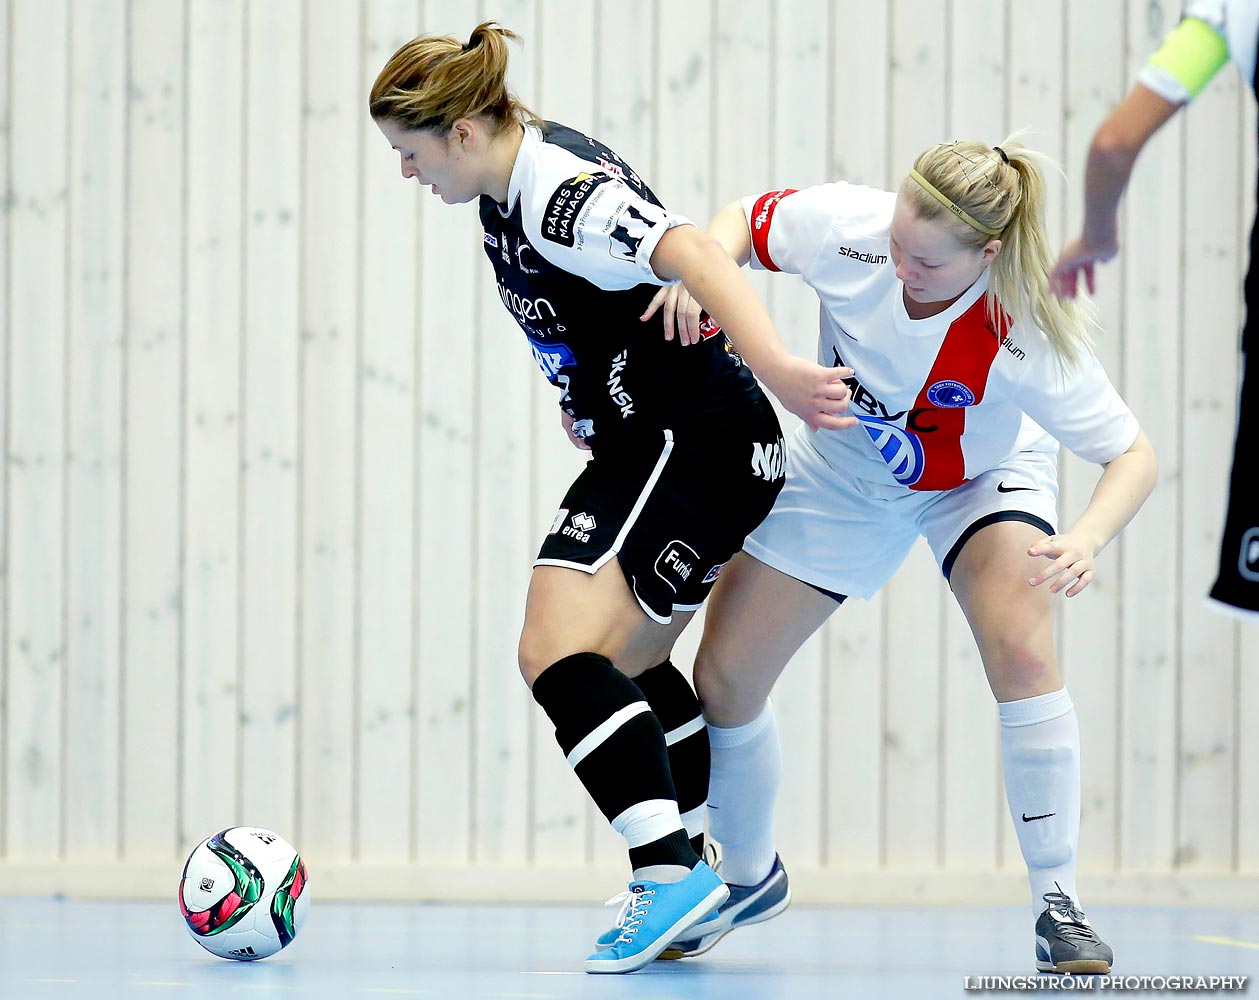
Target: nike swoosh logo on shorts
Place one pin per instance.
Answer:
(1002, 488)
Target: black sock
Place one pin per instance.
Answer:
(615, 744)
(672, 699)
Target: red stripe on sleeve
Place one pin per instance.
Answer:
(762, 216)
(961, 366)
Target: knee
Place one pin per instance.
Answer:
(532, 656)
(715, 686)
(1021, 669)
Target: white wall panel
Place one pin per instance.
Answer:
(37, 317)
(277, 460)
(94, 365)
(210, 746)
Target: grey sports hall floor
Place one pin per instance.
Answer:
(52, 948)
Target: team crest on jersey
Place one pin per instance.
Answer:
(948, 394)
(629, 229)
(552, 357)
(900, 449)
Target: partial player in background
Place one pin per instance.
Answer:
(1211, 33)
(967, 375)
(687, 451)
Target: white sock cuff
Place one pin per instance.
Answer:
(646, 821)
(722, 739)
(1030, 711)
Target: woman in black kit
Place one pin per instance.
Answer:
(687, 452)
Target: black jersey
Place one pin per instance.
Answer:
(571, 251)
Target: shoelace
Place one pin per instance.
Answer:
(1075, 927)
(633, 908)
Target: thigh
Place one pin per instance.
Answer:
(1011, 620)
(757, 618)
(833, 529)
(670, 514)
(569, 611)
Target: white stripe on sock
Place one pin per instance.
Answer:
(605, 729)
(683, 731)
(648, 820)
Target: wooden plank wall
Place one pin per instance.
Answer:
(276, 459)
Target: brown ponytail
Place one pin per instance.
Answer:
(433, 81)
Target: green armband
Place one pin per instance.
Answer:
(1192, 53)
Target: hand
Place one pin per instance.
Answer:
(1072, 564)
(681, 312)
(1078, 257)
(568, 421)
(815, 394)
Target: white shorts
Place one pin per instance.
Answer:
(848, 535)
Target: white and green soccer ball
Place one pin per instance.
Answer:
(243, 893)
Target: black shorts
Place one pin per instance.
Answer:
(672, 512)
(1237, 584)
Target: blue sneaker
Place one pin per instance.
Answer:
(712, 857)
(654, 914)
(748, 904)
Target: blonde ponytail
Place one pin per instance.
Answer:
(433, 81)
(999, 192)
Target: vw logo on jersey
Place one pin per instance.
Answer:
(901, 450)
(947, 393)
(552, 357)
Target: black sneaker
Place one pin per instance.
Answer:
(748, 904)
(1066, 943)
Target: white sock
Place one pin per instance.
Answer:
(746, 768)
(1040, 752)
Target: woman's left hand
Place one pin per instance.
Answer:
(1072, 565)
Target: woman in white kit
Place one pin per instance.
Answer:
(968, 374)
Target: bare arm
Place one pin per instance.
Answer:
(712, 276)
(1111, 157)
(1124, 485)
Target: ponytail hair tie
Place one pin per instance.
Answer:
(1001, 152)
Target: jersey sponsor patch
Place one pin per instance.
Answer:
(561, 516)
(900, 449)
(552, 357)
(948, 393)
(769, 461)
(713, 573)
(559, 219)
(762, 217)
(491, 240)
(676, 563)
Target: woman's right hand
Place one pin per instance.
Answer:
(814, 393)
(1078, 259)
(681, 313)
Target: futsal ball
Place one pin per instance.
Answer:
(243, 893)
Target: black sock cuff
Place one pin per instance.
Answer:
(669, 694)
(581, 691)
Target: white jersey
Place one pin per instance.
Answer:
(940, 400)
